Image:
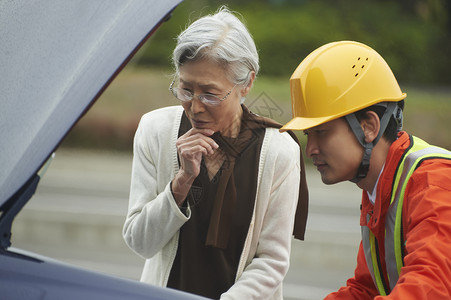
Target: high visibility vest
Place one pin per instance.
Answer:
(394, 243)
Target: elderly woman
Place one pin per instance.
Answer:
(214, 187)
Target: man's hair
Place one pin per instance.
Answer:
(391, 132)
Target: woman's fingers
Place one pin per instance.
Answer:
(197, 140)
(191, 146)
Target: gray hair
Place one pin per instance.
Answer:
(223, 38)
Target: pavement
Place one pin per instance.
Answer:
(77, 213)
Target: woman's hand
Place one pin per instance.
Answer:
(190, 147)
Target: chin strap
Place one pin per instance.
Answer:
(391, 109)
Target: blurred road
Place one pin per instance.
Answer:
(77, 214)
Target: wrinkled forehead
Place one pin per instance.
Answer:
(206, 67)
(204, 73)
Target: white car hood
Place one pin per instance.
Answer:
(56, 58)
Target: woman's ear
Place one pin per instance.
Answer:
(246, 90)
(371, 126)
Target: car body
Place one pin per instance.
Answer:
(56, 59)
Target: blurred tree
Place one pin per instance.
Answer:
(412, 35)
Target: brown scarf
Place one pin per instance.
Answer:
(221, 218)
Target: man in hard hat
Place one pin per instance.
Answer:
(347, 101)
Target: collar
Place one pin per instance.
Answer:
(373, 194)
(383, 189)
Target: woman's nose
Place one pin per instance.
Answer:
(197, 105)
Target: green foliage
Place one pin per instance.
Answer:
(112, 121)
(416, 47)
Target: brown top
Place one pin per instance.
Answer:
(211, 241)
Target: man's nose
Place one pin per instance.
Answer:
(312, 147)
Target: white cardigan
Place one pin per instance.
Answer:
(153, 221)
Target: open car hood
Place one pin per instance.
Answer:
(56, 58)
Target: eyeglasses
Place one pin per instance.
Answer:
(186, 96)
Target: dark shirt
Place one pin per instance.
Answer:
(207, 270)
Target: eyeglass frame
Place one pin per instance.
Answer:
(201, 97)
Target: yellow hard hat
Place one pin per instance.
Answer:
(337, 79)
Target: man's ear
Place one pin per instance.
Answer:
(371, 126)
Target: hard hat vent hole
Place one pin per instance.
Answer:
(360, 62)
